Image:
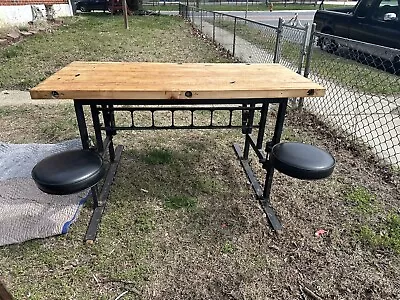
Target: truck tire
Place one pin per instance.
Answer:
(83, 8)
(327, 44)
(396, 65)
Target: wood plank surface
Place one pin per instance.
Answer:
(130, 80)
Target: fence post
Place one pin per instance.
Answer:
(279, 30)
(234, 37)
(193, 15)
(201, 20)
(213, 33)
(303, 49)
(308, 58)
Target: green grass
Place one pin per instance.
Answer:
(8, 111)
(158, 157)
(384, 236)
(178, 202)
(362, 199)
(228, 248)
(255, 7)
(100, 37)
(145, 222)
(289, 135)
(23, 28)
(166, 7)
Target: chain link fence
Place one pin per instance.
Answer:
(249, 2)
(362, 102)
(250, 41)
(362, 99)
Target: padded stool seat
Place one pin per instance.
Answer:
(302, 161)
(68, 172)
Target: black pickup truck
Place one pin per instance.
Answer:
(371, 21)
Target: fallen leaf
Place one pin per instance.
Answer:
(320, 232)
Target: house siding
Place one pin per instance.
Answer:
(20, 13)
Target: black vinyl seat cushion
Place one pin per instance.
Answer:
(302, 161)
(68, 172)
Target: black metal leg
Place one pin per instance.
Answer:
(100, 200)
(263, 194)
(248, 130)
(111, 148)
(263, 121)
(99, 197)
(280, 118)
(80, 117)
(264, 202)
(96, 126)
(109, 123)
(98, 211)
(269, 165)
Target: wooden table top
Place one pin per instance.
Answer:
(139, 80)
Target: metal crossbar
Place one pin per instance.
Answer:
(134, 124)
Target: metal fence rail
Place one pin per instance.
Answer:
(362, 101)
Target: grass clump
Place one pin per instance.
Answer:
(378, 234)
(158, 157)
(363, 200)
(6, 111)
(144, 222)
(386, 236)
(228, 248)
(179, 202)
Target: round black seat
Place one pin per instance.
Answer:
(68, 172)
(302, 161)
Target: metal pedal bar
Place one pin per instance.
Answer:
(98, 211)
(264, 201)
